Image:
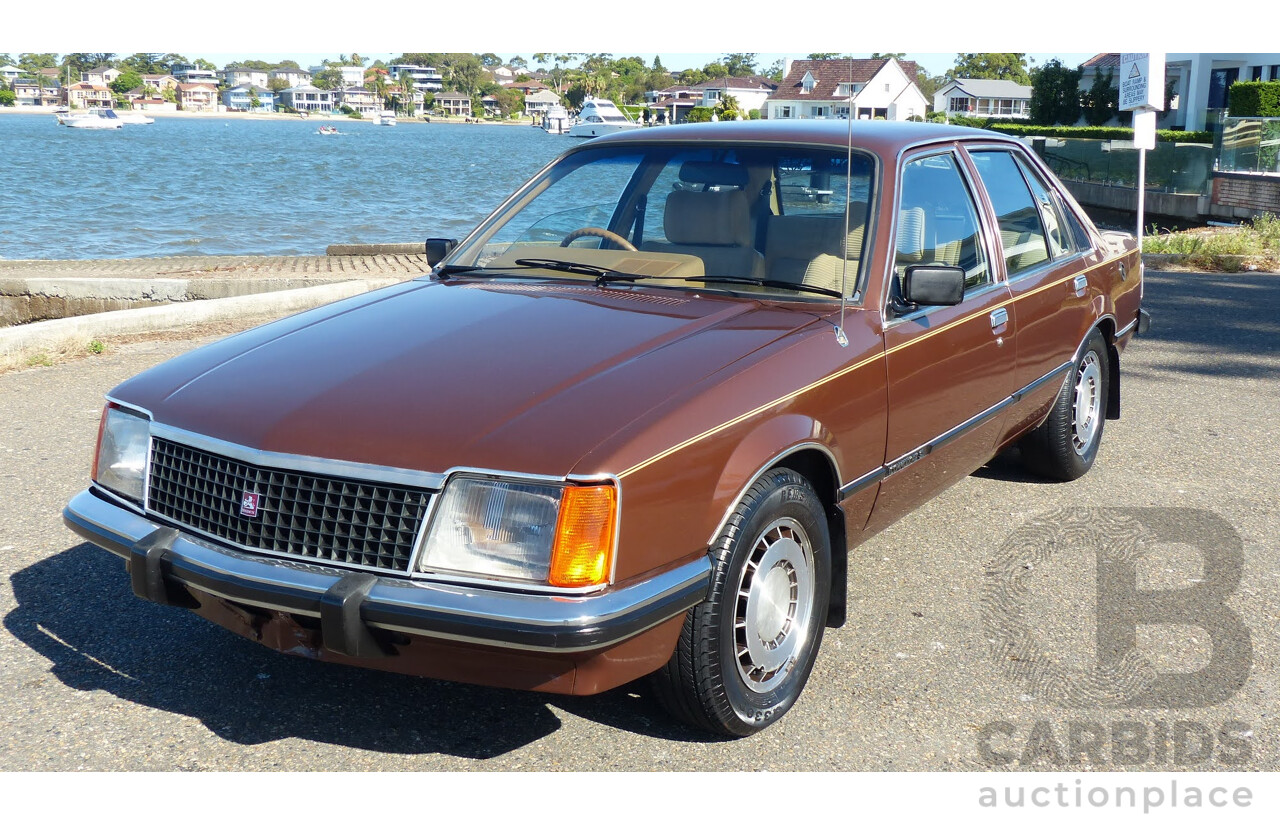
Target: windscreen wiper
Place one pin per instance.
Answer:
(733, 279)
(602, 274)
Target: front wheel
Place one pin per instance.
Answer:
(1065, 445)
(745, 653)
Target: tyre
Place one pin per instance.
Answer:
(745, 653)
(1065, 445)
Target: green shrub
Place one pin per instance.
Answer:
(7, 98)
(699, 114)
(1094, 132)
(1254, 99)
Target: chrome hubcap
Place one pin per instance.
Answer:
(774, 605)
(1087, 413)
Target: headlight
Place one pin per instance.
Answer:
(121, 461)
(556, 534)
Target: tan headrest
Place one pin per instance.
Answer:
(911, 235)
(708, 218)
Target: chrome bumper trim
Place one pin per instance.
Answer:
(475, 615)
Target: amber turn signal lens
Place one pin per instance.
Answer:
(583, 552)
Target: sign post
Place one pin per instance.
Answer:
(1142, 92)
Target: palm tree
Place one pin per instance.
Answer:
(406, 88)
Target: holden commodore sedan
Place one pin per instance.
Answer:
(638, 422)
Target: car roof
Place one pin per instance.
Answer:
(883, 137)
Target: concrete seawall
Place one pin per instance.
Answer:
(52, 305)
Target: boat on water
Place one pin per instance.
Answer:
(556, 120)
(385, 118)
(328, 130)
(92, 119)
(135, 119)
(600, 117)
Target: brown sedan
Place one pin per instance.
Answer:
(636, 422)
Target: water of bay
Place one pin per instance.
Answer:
(228, 186)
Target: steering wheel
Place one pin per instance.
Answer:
(612, 237)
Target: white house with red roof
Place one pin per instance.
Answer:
(862, 88)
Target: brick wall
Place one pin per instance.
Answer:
(1245, 196)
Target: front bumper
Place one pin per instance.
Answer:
(163, 560)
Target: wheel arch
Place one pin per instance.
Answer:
(811, 456)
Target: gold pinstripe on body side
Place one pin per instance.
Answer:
(846, 370)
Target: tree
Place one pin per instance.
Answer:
(886, 55)
(327, 78)
(1055, 95)
(277, 84)
(727, 108)
(992, 66)
(740, 64)
(1102, 101)
(126, 82)
(490, 60)
(822, 56)
(7, 98)
(31, 63)
(517, 63)
(466, 74)
(776, 70)
(405, 82)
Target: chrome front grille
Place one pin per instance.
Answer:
(302, 515)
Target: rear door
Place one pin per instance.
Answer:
(1048, 261)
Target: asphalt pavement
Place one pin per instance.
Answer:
(982, 632)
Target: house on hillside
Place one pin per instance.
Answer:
(85, 95)
(242, 98)
(848, 87)
(197, 97)
(103, 75)
(235, 76)
(1199, 82)
(160, 82)
(978, 97)
(425, 78)
(537, 103)
(8, 74)
(294, 77)
(358, 99)
(455, 104)
(306, 99)
(750, 92)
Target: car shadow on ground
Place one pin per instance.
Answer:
(77, 610)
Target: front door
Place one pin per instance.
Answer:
(949, 369)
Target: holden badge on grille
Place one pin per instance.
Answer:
(249, 505)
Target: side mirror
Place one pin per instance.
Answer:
(438, 248)
(933, 286)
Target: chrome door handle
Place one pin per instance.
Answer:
(1080, 285)
(999, 318)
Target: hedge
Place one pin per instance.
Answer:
(1254, 99)
(1024, 129)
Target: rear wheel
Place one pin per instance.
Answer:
(745, 653)
(1065, 445)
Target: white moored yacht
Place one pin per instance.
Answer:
(600, 117)
(556, 120)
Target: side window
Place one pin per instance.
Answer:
(1056, 230)
(1021, 233)
(937, 221)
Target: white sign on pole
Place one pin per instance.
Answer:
(1144, 129)
(1141, 81)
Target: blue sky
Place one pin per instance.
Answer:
(684, 34)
